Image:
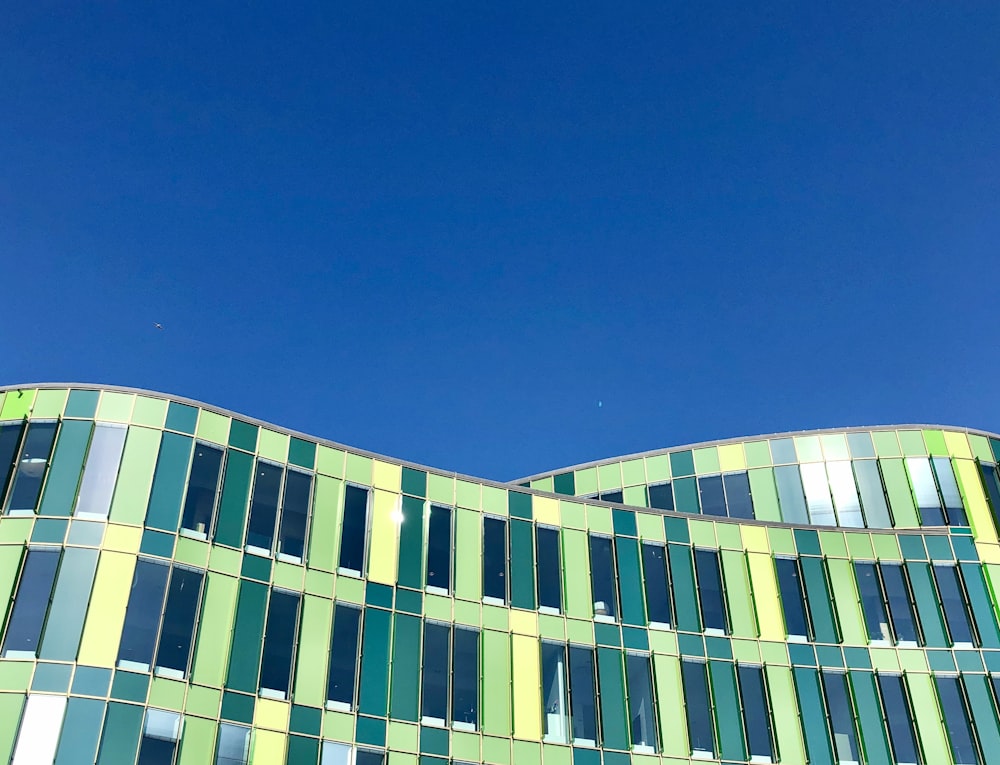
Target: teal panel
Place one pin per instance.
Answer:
(81, 403)
(302, 751)
(80, 732)
(69, 604)
(614, 729)
(686, 609)
(522, 563)
(235, 492)
(120, 740)
(374, 663)
(727, 710)
(168, 482)
(982, 608)
(686, 495)
(818, 597)
(873, 734)
(630, 581)
(813, 716)
(925, 595)
(405, 696)
(248, 633)
(67, 466)
(984, 712)
(411, 544)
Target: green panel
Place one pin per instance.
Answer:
(576, 574)
(324, 542)
(81, 731)
(869, 711)
(197, 741)
(69, 605)
(168, 482)
(904, 513)
(522, 563)
(10, 718)
(405, 698)
(248, 633)
(614, 727)
(984, 712)
(633, 609)
(135, 475)
(886, 444)
(411, 542)
(374, 663)
(468, 554)
(737, 589)
(243, 435)
(312, 651)
(982, 608)
(115, 407)
(149, 411)
(933, 740)
(817, 737)
(496, 677)
(925, 596)
(845, 593)
(17, 404)
(67, 466)
(235, 492)
(81, 403)
(912, 442)
(764, 494)
(120, 740)
(784, 711)
(686, 495)
(49, 404)
(727, 710)
(302, 751)
(818, 595)
(686, 611)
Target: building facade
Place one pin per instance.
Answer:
(181, 584)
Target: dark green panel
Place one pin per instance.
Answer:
(374, 663)
(522, 564)
(614, 728)
(818, 597)
(813, 716)
(120, 739)
(873, 736)
(243, 435)
(926, 597)
(982, 608)
(235, 491)
(411, 543)
(80, 732)
(624, 523)
(686, 495)
(248, 632)
(302, 751)
(414, 482)
(630, 581)
(168, 482)
(302, 453)
(727, 710)
(564, 483)
(685, 594)
(81, 403)
(519, 505)
(405, 697)
(682, 463)
(67, 466)
(984, 713)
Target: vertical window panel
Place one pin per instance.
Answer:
(233, 503)
(522, 564)
(614, 728)
(344, 642)
(949, 491)
(100, 471)
(713, 499)
(555, 702)
(899, 719)
(437, 649)
(956, 721)
(120, 737)
(817, 490)
(10, 439)
(845, 494)
(294, 516)
(335, 754)
(657, 588)
(411, 543)
(439, 548)
(790, 497)
(374, 680)
(247, 638)
(160, 734)
(167, 492)
(698, 709)
(713, 605)
(738, 498)
(404, 696)
(687, 611)
(142, 616)
(756, 713)
(873, 603)
(549, 569)
(722, 681)
(202, 491)
(661, 496)
(818, 600)
(602, 580)
(872, 494)
(68, 610)
(279, 644)
(642, 717)
(233, 745)
(352, 536)
(495, 560)
(792, 598)
(953, 603)
(897, 591)
(59, 495)
(583, 695)
(173, 654)
(24, 629)
(264, 508)
(630, 581)
(841, 717)
(925, 491)
(815, 725)
(465, 679)
(31, 466)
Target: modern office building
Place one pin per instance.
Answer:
(179, 583)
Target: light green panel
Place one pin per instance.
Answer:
(585, 481)
(576, 574)
(338, 726)
(358, 469)
(599, 519)
(832, 543)
(936, 446)
(673, 731)
(272, 445)
(912, 443)
(151, 412)
(609, 476)
(897, 487)
(845, 596)
(287, 576)
(784, 709)
(211, 654)
(808, 449)
(192, 552)
(650, 527)
(441, 489)
(197, 741)
(496, 677)
(573, 515)
(579, 631)
(403, 737)
(135, 477)
(494, 500)
(634, 496)
(438, 607)
(165, 693)
(729, 536)
(758, 454)
(543, 484)
(10, 716)
(928, 718)
(468, 613)
(468, 494)
(330, 461)
(702, 533)
(496, 618)
(886, 547)
(313, 651)
(737, 589)
(835, 446)
(349, 589)
(17, 404)
(706, 460)
(884, 659)
(859, 545)
(213, 427)
(15, 530)
(658, 468)
(115, 407)
(324, 531)
(468, 554)
(781, 541)
(764, 494)
(663, 641)
(980, 448)
(886, 444)
(49, 404)
(746, 651)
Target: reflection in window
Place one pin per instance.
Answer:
(640, 702)
(352, 536)
(174, 650)
(897, 592)
(654, 568)
(899, 716)
(845, 494)
(792, 598)
(713, 499)
(202, 491)
(439, 550)
(554, 699)
(661, 496)
(925, 491)
(465, 679)
(789, 484)
(841, 716)
(548, 569)
(343, 657)
(234, 745)
(495, 559)
(437, 645)
(101, 471)
(369, 757)
(756, 712)
(583, 695)
(10, 439)
(142, 617)
(713, 606)
(335, 754)
(817, 490)
(956, 720)
(949, 491)
(279, 643)
(699, 711)
(872, 494)
(738, 499)
(294, 514)
(953, 602)
(602, 578)
(31, 465)
(34, 592)
(264, 508)
(873, 602)
(160, 734)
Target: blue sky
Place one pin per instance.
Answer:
(446, 232)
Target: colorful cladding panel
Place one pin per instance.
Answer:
(181, 584)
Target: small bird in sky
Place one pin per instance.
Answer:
(157, 325)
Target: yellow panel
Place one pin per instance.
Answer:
(524, 622)
(123, 538)
(527, 688)
(673, 731)
(106, 614)
(268, 747)
(731, 458)
(988, 553)
(765, 597)
(386, 476)
(545, 510)
(980, 517)
(385, 537)
(271, 714)
(958, 444)
(755, 539)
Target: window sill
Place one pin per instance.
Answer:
(353, 573)
(604, 619)
(663, 626)
(192, 534)
(260, 552)
(466, 726)
(797, 639)
(643, 749)
(549, 610)
(434, 722)
(14, 655)
(285, 558)
(272, 693)
(133, 666)
(434, 590)
(173, 674)
(702, 754)
(338, 706)
(491, 601)
(589, 743)
(763, 759)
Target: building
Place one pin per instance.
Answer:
(183, 584)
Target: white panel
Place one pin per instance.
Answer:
(39, 735)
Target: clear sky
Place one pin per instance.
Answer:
(503, 238)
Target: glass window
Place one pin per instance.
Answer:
(873, 602)
(160, 734)
(602, 577)
(233, 745)
(925, 491)
(495, 559)
(611, 496)
(899, 717)
(756, 712)
(738, 499)
(640, 702)
(817, 490)
(279, 644)
(336, 754)
(548, 569)
(264, 508)
(872, 494)
(841, 716)
(713, 606)
(792, 600)
(439, 550)
(31, 466)
(294, 515)
(845, 494)
(699, 709)
(39, 734)
(34, 593)
(654, 568)
(437, 648)
(583, 695)
(713, 500)
(956, 611)
(352, 537)
(174, 650)
(343, 656)
(897, 591)
(956, 720)
(369, 757)
(465, 679)
(142, 617)
(661, 496)
(202, 491)
(10, 439)
(101, 471)
(992, 482)
(555, 725)
(949, 491)
(789, 484)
